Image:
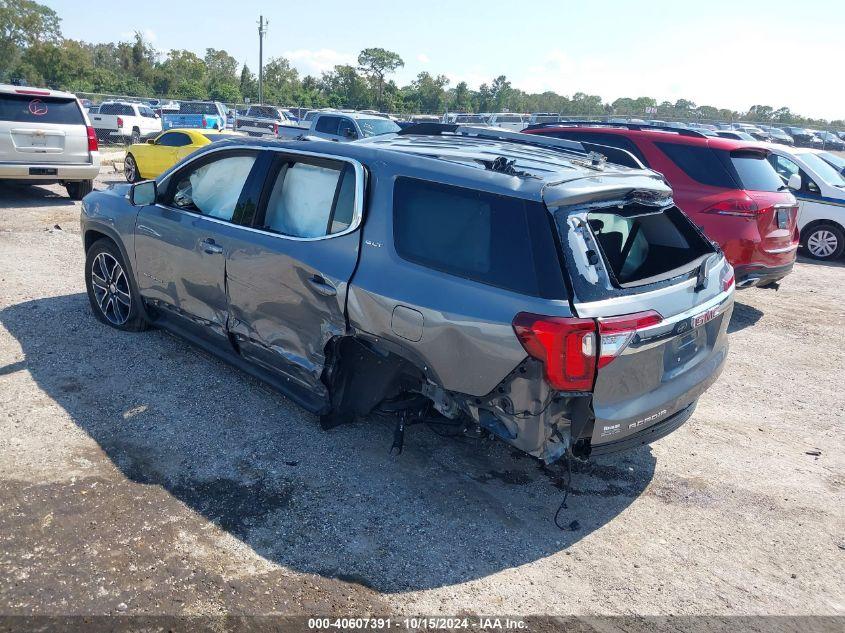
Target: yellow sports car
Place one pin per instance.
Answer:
(148, 160)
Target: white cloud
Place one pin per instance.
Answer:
(316, 62)
(423, 58)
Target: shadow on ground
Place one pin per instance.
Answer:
(743, 316)
(832, 263)
(24, 195)
(332, 503)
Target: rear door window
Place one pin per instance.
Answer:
(310, 199)
(497, 240)
(33, 109)
(327, 124)
(700, 163)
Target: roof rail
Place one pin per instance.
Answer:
(630, 126)
(581, 150)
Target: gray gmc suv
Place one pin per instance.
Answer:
(470, 276)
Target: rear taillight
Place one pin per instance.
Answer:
(616, 333)
(566, 347)
(728, 278)
(737, 207)
(119, 121)
(93, 146)
(204, 121)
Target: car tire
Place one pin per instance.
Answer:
(130, 169)
(79, 189)
(825, 242)
(112, 292)
(136, 136)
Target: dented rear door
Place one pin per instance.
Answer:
(287, 282)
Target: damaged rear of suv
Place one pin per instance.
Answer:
(471, 277)
(559, 304)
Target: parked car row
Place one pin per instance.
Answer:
(135, 121)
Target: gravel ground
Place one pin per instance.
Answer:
(138, 475)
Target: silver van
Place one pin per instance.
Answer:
(45, 137)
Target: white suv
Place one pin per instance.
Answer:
(45, 136)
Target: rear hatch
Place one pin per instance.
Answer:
(37, 128)
(770, 203)
(661, 296)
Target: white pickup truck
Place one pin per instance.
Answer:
(263, 120)
(341, 126)
(124, 121)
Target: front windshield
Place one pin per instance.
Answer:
(374, 127)
(823, 169)
(833, 159)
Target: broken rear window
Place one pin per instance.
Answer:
(641, 245)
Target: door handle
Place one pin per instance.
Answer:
(211, 247)
(319, 283)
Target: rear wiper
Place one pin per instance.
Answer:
(701, 276)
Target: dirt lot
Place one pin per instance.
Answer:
(138, 475)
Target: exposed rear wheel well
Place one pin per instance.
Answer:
(361, 375)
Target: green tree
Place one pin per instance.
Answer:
(461, 99)
(500, 93)
(24, 23)
(281, 81)
(376, 63)
(220, 65)
(248, 84)
(428, 93)
(343, 86)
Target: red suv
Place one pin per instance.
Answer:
(725, 186)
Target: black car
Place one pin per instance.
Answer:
(803, 137)
(779, 136)
(831, 141)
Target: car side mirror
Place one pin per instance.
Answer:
(143, 193)
(794, 182)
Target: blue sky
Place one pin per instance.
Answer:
(723, 53)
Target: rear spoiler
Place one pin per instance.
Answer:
(579, 149)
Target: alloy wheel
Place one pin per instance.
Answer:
(111, 288)
(822, 243)
(130, 169)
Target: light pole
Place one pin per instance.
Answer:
(262, 29)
